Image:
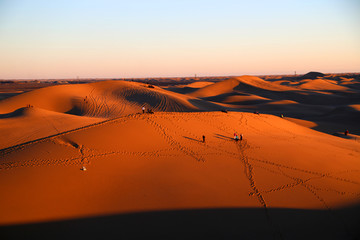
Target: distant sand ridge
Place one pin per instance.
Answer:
(86, 150)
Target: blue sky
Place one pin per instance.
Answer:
(94, 38)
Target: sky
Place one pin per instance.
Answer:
(42, 39)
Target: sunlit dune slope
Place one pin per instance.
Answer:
(321, 84)
(87, 150)
(199, 84)
(150, 162)
(244, 99)
(355, 107)
(30, 123)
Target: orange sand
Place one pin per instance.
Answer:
(157, 162)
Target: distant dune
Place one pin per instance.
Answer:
(237, 83)
(320, 84)
(83, 160)
(199, 84)
(312, 75)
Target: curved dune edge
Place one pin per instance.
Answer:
(232, 84)
(101, 99)
(321, 84)
(28, 124)
(155, 162)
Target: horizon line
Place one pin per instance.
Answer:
(171, 77)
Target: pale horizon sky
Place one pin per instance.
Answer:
(42, 39)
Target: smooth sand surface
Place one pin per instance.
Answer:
(90, 164)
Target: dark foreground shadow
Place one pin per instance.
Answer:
(234, 223)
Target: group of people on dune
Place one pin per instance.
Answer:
(236, 137)
(148, 111)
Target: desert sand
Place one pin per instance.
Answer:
(83, 161)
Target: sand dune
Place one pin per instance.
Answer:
(199, 84)
(27, 124)
(86, 154)
(310, 100)
(57, 109)
(321, 84)
(243, 99)
(355, 106)
(155, 162)
(101, 99)
(238, 83)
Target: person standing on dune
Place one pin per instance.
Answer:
(143, 109)
(203, 137)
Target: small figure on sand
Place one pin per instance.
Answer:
(236, 137)
(346, 132)
(203, 137)
(282, 116)
(143, 109)
(256, 112)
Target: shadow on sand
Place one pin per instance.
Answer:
(193, 139)
(223, 223)
(222, 137)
